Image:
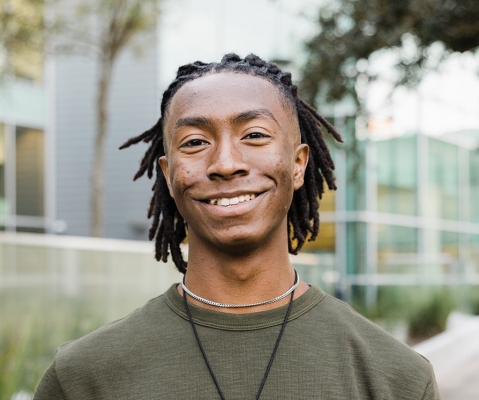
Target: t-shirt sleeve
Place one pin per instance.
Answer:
(49, 387)
(432, 391)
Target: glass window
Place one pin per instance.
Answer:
(29, 172)
(474, 188)
(397, 249)
(397, 175)
(474, 253)
(450, 252)
(355, 167)
(356, 247)
(442, 191)
(441, 250)
(327, 231)
(3, 204)
(449, 243)
(325, 241)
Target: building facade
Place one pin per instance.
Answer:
(47, 128)
(406, 211)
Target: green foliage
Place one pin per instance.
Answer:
(430, 317)
(350, 31)
(30, 335)
(423, 310)
(474, 305)
(394, 303)
(22, 36)
(119, 22)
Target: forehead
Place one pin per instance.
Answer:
(224, 94)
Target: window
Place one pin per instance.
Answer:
(442, 196)
(3, 203)
(397, 175)
(474, 182)
(22, 176)
(29, 172)
(397, 248)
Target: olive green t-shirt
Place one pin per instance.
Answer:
(328, 351)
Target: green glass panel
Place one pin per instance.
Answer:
(474, 253)
(450, 252)
(450, 243)
(442, 189)
(356, 247)
(397, 249)
(355, 167)
(397, 175)
(474, 185)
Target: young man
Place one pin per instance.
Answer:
(240, 162)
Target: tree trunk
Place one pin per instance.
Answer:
(97, 177)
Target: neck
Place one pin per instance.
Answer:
(251, 277)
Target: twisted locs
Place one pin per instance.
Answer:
(168, 227)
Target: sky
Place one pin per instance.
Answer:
(447, 100)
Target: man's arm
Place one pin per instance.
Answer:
(432, 391)
(49, 388)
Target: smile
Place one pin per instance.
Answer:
(222, 201)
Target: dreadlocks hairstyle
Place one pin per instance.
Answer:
(168, 226)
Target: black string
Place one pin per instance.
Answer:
(273, 354)
(201, 347)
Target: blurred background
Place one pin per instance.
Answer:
(399, 238)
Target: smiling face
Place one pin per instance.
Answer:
(233, 160)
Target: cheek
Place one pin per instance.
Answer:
(283, 167)
(279, 167)
(181, 179)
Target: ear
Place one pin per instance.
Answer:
(300, 163)
(163, 161)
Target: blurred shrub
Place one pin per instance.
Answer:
(394, 303)
(429, 318)
(475, 303)
(30, 335)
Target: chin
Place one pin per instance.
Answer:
(241, 243)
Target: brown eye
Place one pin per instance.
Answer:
(194, 143)
(256, 135)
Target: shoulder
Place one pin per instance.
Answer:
(341, 323)
(362, 352)
(119, 341)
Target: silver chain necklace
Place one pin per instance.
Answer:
(273, 354)
(223, 305)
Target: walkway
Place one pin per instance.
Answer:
(463, 384)
(454, 355)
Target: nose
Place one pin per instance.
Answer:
(226, 161)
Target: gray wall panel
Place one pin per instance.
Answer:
(133, 106)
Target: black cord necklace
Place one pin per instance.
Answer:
(273, 354)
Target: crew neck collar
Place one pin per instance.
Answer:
(240, 322)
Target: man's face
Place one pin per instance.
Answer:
(233, 160)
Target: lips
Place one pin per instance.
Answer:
(227, 202)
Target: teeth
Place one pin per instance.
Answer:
(235, 200)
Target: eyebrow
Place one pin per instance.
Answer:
(252, 114)
(241, 118)
(199, 122)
